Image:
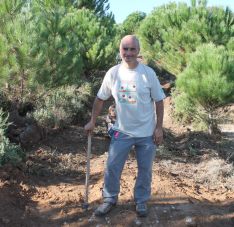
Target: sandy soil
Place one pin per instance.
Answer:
(49, 189)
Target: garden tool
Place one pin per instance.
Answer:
(86, 199)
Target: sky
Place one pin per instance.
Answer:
(122, 8)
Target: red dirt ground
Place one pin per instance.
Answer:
(49, 189)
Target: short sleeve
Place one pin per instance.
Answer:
(105, 90)
(157, 92)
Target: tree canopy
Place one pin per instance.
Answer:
(171, 32)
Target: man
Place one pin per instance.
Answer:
(137, 92)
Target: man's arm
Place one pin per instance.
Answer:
(158, 132)
(96, 110)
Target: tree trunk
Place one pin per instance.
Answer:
(212, 125)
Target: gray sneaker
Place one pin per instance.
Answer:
(141, 209)
(104, 208)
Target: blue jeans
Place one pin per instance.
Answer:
(118, 153)
(110, 132)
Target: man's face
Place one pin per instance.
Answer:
(129, 50)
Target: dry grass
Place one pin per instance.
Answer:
(214, 173)
(45, 161)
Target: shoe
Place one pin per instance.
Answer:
(141, 209)
(103, 209)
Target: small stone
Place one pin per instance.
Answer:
(138, 222)
(107, 220)
(92, 218)
(190, 222)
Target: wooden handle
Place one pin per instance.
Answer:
(88, 169)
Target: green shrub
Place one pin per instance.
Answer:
(183, 107)
(9, 153)
(206, 84)
(186, 112)
(64, 106)
(44, 117)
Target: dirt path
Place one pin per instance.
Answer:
(49, 189)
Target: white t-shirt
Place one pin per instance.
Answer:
(135, 92)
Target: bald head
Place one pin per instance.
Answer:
(129, 49)
(130, 39)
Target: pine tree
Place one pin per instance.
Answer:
(100, 7)
(208, 82)
(171, 32)
(14, 55)
(132, 23)
(69, 44)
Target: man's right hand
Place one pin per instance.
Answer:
(97, 107)
(89, 127)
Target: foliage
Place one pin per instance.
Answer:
(206, 83)
(132, 23)
(15, 62)
(100, 7)
(69, 44)
(171, 32)
(230, 47)
(63, 106)
(183, 107)
(186, 112)
(53, 43)
(9, 153)
(57, 62)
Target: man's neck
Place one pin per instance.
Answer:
(131, 65)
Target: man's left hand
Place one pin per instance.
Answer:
(158, 136)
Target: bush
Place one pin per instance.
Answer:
(207, 83)
(182, 107)
(186, 112)
(9, 153)
(64, 106)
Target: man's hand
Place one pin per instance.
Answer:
(97, 107)
(158, 136)
(89, 127)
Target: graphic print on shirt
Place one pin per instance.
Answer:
(127, 92)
